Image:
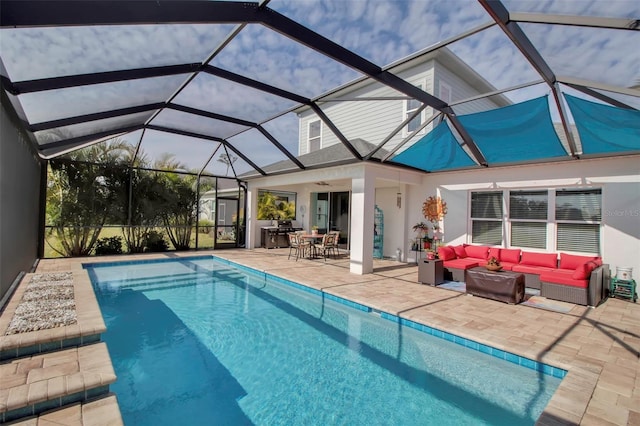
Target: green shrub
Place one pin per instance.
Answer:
(155, 242)
(205, 226)
(109, 245)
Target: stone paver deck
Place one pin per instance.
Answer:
(600, 347)
(102, 412)
(48, 378)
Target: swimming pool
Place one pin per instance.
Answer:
(200, 341)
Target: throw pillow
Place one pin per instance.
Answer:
(461, 253)
(446, 253)
(583, 272)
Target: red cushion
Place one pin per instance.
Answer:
(562, 277)
(583, 272)
(494, 252)
(477, 252)
(467, 263)
(571, 261)
(548, 260)
(460, 251)
(535, 270)
(446, 253)
(510, 255)
(507, 266)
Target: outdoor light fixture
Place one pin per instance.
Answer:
(399, 199)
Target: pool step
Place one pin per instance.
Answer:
(103, 411)
(39, 383)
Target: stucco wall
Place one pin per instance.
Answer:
(19, 200)
(618, 177)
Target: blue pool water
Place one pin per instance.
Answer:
(197, 341)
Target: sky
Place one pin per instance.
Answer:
(382, 31)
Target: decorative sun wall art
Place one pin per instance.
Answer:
(434, 209)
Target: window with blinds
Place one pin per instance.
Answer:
(528, 216)
(578, 217)
(535, 218)
(486, 217)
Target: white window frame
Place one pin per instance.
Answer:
(406, 112)
(551, 221)
(598, 223)
(309, 138)
(500, 220)
(511, 221)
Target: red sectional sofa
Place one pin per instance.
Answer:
(570, 278)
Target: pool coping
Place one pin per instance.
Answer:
(87, 329)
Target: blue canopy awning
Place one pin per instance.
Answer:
(516, 133)
(605, 128)
(436, 151)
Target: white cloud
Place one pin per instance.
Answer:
(609, 8)
(600, 55)
(222, 96)
(75, 101)
(381, 31)
(260, 53)
(32, 53)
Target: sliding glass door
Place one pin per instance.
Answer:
(330, 212)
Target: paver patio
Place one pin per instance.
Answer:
(600, 347)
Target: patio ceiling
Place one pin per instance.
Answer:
(209, 80)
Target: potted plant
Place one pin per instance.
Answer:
(421, 228)
(314, 230)
(423, 234)
(431, 254)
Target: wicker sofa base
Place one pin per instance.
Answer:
(564, 293)
(531, 280)
(454, 274)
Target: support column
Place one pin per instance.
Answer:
(250, 218)
(362, 222)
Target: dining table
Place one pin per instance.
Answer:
(313, 239)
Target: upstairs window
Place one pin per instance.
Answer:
(314, 135)
(410, 107)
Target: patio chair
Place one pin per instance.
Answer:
(298, 244)
(336, 243)
(326, 246)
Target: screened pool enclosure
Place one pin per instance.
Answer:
(170, 107)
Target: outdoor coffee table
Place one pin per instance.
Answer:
(504, 286)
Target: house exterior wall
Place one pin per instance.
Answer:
(369, 120)
(619, 179)
(373, 121)
(20, 172)
(460, 90)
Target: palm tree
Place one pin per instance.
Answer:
(228, 160)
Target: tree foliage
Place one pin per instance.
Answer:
(178, 208)
(272, 207)
(96, 186)
(81, 197)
